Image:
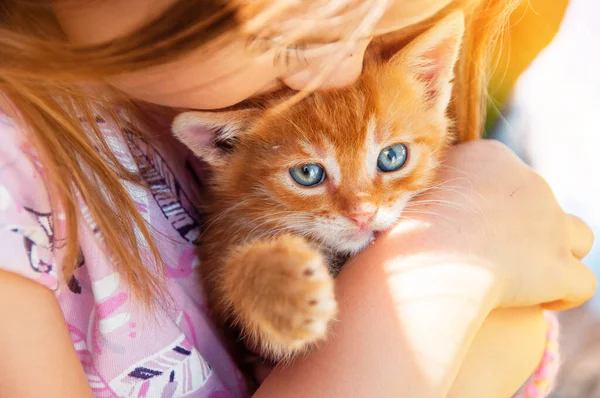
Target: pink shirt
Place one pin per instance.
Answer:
(125, 350)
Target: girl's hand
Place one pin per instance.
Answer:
(493, 208)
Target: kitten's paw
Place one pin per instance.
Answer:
(282, 294)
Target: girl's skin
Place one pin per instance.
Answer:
(232, 74)
(392, 340)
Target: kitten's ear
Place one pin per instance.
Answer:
(432, 56)
(208, 133)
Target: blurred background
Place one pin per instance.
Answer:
(546, 106)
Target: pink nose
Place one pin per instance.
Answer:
(361, 219)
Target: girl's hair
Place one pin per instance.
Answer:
(51, 85)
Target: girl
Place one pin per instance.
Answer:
(98, 228)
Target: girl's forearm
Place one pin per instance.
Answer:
(405, 326)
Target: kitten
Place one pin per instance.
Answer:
(292, 190)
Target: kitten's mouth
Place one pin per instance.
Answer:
(369, 230)
(369, 233)
(363, 234)
(363, 230)
(351, 241)
(363, 239)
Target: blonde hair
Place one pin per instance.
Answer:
(51, 84)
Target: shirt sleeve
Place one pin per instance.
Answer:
(542, 381)
(27, 240)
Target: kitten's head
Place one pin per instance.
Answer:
(339, 165)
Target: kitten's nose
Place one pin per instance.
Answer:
(362, 219)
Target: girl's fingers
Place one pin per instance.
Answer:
(581, 236)
(580, 287)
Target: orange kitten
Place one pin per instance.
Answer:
(292, 190)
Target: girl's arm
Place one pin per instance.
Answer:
(36, 351)
(510, 342)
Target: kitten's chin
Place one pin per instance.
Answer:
(350, 241)
(352, 244)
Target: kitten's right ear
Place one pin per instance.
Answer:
(203, 131)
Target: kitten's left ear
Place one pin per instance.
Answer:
(432, 56)
(202, 131)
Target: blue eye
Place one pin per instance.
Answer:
(392, 158)
(308, 175)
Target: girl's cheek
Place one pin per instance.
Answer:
(221, 94)
(202, 82)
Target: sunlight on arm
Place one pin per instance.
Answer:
(438, 300)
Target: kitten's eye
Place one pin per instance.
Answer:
(392, 158)
(308, 175)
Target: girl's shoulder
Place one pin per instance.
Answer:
(26, 225)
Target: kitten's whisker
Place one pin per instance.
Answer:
(449, 188)
(264, 193)
(423, 212)
(456, 190)
(467, 179)
(299, 220)
(219, 216)
(271, 233)
(302, 132)
(274, 214)
(450, 180)
(278, 221)
(393, 103)
(445, 203)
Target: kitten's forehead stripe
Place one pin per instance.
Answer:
(310, 149)
(371, 148)
(371, 129)
(332, 164)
